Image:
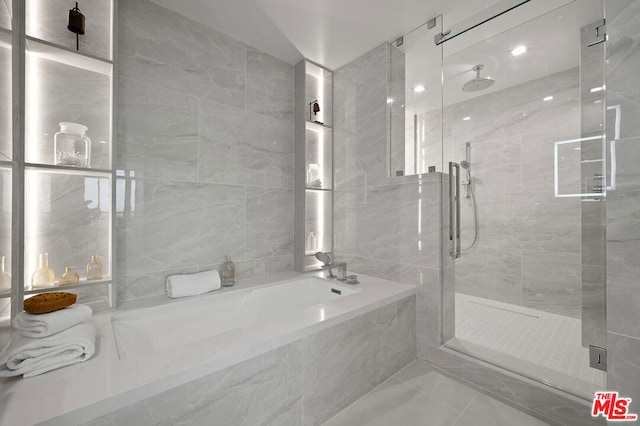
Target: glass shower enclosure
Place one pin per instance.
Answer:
(519, 128)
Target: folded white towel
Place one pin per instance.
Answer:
(192, 284)
(43, 325)
(31, 357)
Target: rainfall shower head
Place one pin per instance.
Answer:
(478, 83)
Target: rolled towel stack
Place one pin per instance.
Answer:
(49, 341)
(192, 284)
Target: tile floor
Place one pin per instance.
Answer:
(549, 344)
(420, 395)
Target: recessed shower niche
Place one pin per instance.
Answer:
(313, 231)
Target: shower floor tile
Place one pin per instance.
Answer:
(421, 395)
(538, 344)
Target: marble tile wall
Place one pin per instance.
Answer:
(302, 383)
(623, 240)
(205, 145)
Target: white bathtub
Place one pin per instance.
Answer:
(145, 331)
(152, 346)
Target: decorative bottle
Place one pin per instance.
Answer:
(94, 269)
(228, 272)
(5, 278)
(44, 277)
(71, 145)
(69, 277)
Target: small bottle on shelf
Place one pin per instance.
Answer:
(94, 269)
(228, 272)
(5, 278)
(44, 277)
(69, 277)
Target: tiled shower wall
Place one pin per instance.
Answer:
(623, 214)
(528, 251)
(384, 227)
(204, 152)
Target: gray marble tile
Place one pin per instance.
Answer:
(623, 297)
(485, 410)
(538, 159)
(395, 403)
(432, 382)
(495, 166)
(264, 390)
(269, 85)
(428, 306)
(623, 60)
(157, 132)
(269, 223)
(491, 274)
(265, 155)
(623, 361)
(413, 210)
(360, 354)
(244, 148)
(559, 408)
(45, 21)
(179, 224)
(552, 282)
(263, 266)
(547, 223)
(165, 49)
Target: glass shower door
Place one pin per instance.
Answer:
(523, 117)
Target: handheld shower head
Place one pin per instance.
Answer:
(465, 164)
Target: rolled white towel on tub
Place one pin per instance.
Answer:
(30, 357)
(43, 325)
(192, 284)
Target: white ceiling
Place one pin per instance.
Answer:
(328, 32)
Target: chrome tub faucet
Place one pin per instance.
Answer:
(341, 266)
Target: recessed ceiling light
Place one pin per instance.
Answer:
(467, 118)
(419, 88)
(389, 100)
(548, 98)
(597, 89)
(519, 50)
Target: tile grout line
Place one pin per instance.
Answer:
(466, 408)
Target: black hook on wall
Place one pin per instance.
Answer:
(76, 23)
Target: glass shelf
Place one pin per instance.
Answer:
(84, 171)
(83, 283)
(321, 126)
(63, 55)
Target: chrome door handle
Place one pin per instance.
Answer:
(454, 210)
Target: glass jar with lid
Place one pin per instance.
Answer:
(71, 145)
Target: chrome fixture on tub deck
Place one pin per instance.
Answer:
(326, 259)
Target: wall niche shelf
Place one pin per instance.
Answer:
(62, 210)
(313, 187)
